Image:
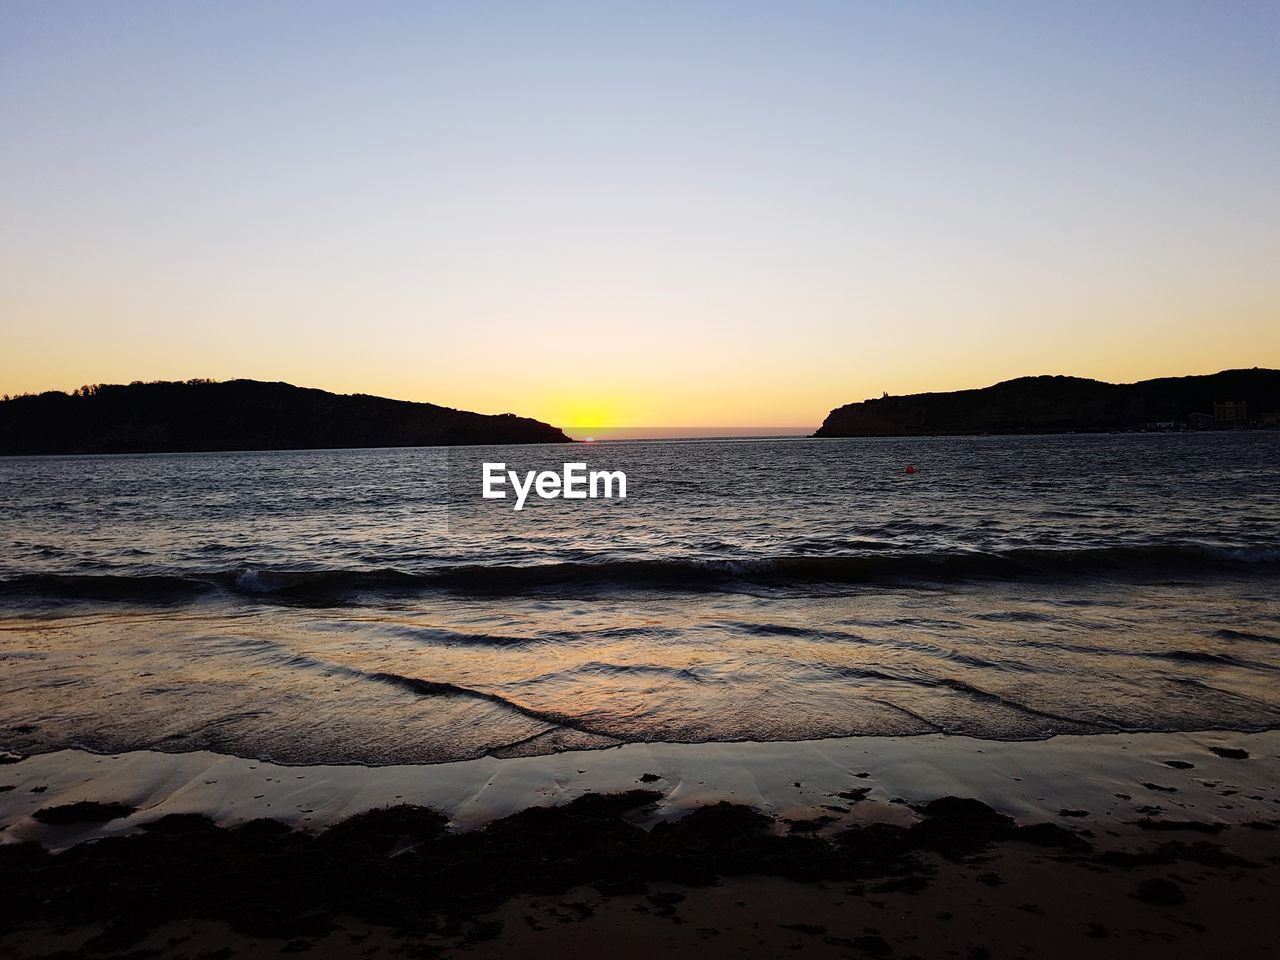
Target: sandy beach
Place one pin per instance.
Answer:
(1125, 845)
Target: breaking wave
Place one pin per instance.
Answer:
(674, 574)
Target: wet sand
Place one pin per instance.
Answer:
(1112, 776)
(1161, 845)
(1004, 903)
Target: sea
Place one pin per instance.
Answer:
(370, 607)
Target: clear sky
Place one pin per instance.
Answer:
(695, 213)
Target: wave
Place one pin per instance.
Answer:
(676, 573)
(436, 688)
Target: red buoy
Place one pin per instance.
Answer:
(910, 469)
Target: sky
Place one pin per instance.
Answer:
(601, 214)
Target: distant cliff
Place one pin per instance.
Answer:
(1063, 404)
(242, 415)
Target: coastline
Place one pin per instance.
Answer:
(1025, 779)
(1134, 845)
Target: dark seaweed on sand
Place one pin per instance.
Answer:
(402, 866)
(83, 811)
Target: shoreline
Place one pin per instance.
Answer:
(1112, 775)
(1117, 845)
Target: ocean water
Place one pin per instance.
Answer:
(367, 606)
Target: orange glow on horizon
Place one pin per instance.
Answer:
(791, 214)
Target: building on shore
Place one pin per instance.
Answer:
(1230, 412)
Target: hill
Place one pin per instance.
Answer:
(241, 415)
(1065, 404)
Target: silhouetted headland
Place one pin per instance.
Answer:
(1227, 400)
(242, 415)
